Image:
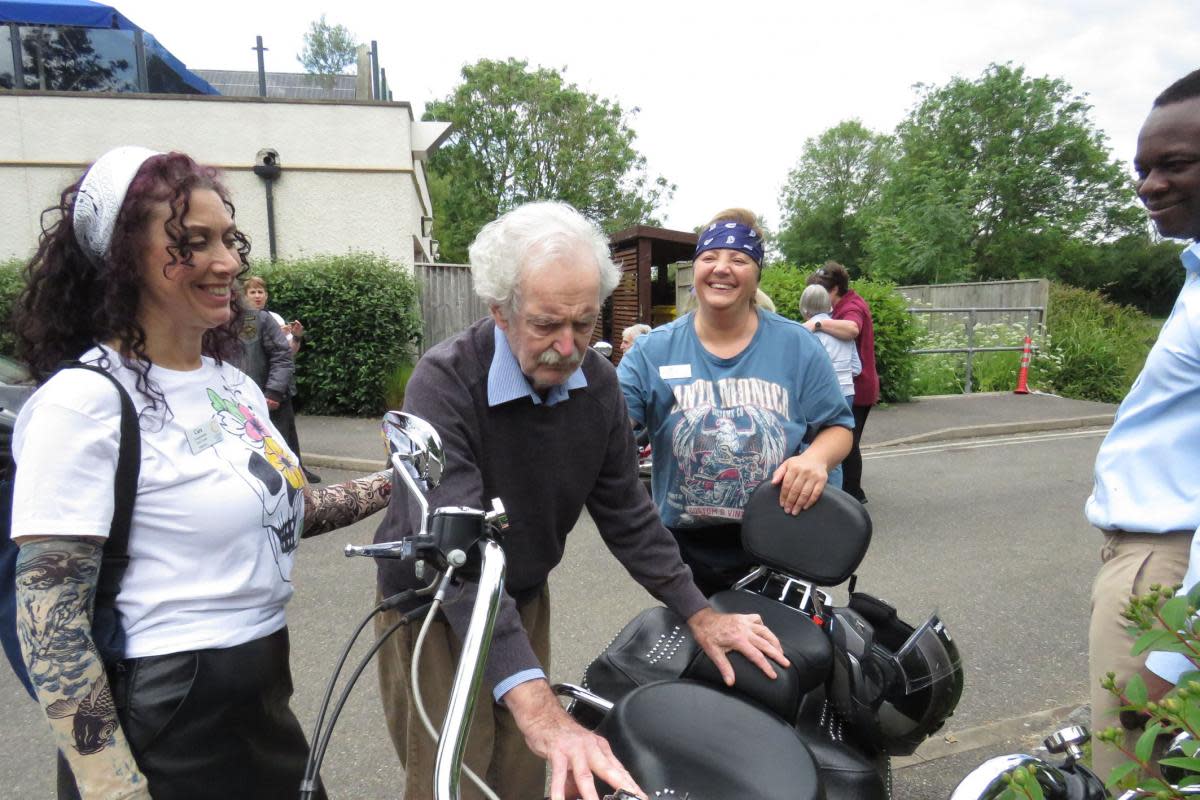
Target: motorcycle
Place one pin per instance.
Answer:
(862, 683)
(1070, 779)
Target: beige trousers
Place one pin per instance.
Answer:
(496, 749)
(1132, 562)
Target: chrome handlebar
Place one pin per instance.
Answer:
(453, 739)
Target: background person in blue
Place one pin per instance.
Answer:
(732, 395)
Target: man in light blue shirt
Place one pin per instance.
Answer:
(1147, 491)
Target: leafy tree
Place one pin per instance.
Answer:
(524, 134)
(328, 49)
(994, 177)
(828, 194)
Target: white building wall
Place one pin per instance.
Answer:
(349, 179)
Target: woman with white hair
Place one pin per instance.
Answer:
(630, 335)
(815, 306)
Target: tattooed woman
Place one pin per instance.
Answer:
(136, 272)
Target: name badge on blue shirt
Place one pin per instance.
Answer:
(675, 371)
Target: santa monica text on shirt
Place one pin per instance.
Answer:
(733, 392)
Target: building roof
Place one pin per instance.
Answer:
(622, 237)
(79, 13)
(292, 85)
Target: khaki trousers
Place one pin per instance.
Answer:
(1132, 562)
(496, 749)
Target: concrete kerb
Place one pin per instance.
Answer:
(361, 465)
(996, 429)
(1033, 726)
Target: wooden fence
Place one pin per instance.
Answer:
(448, 301)
(1014, 295)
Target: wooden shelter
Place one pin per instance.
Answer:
(636, 251)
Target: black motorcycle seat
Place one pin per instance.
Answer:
(824, 544)
(804, 643)
(685, 739)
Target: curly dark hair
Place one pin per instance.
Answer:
(70, 304)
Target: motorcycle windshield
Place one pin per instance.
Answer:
(927, 656)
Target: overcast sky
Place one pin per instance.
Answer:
(728, 92)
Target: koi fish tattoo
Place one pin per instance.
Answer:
(93, 719)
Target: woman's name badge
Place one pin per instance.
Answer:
(675, 371)
(204, 436)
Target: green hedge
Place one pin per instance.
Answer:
(1097, 348)
(895, 331)
(362, 321)
(11, 284)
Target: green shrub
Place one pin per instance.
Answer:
(895, 331)
(1101, 346)
(395, 382)
(1090, 349)
(784, 284)
(895, 335)
(945, 373)
(361, 320)
(12, 281)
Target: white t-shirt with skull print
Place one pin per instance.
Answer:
(219, 506)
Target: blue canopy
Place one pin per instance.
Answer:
(87, 14)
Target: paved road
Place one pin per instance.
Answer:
(988, 532)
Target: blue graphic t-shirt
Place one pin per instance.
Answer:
(721, 426)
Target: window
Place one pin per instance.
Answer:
(8, 74)
(78, 59)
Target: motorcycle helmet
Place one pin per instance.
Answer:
(895, 685)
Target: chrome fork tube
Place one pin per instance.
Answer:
(469, 675)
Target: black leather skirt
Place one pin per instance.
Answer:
(210, 723)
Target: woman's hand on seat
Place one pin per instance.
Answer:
(801, 479)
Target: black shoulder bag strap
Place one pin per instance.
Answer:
(107, 631)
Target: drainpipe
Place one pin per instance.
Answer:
(266, 166)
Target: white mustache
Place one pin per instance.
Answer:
(551, 358)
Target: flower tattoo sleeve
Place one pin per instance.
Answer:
(56, 581)
(345, 503)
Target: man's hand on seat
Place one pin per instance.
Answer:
(747, 634)
(576, 755)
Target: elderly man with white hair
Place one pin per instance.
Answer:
(528, 413)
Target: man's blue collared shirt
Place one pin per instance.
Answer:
(1148, 468)
(506, 383)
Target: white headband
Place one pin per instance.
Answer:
(100, 197)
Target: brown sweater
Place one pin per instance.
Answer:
(545, 463)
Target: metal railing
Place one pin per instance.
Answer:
(971, 320)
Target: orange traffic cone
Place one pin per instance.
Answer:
(1023, 375)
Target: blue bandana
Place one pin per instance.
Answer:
(730, 236)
